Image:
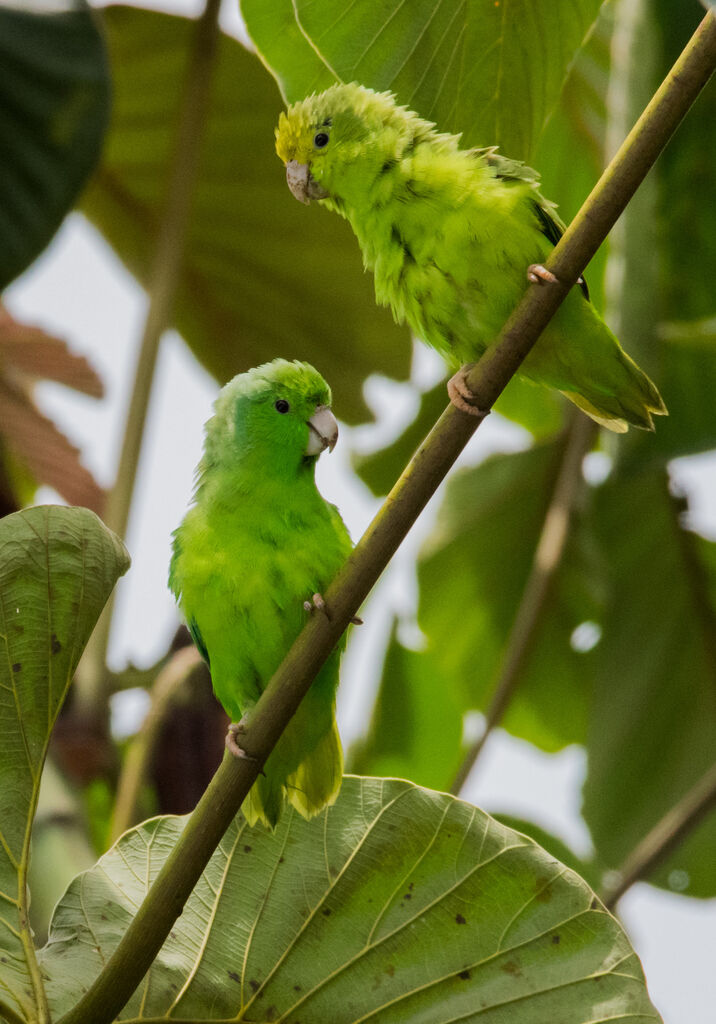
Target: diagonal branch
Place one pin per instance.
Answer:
(665, 836)
(227, 790)
(539, 586)
(179, 669)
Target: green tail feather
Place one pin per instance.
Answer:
(580, 356)
(313, 785)
(632, 402)
(316, 782)
(265, 801)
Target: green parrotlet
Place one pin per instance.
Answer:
(258, 544)
(451, 235)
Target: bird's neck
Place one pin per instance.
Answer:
(399, 187)
(252, 480)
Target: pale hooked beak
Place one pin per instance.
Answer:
(303, 186)
(322, 431)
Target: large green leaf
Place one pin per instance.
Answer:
(416, 729)
(472, 575)
(57, 568)
(570, 156)
(687, 221)
(492, 70)
(397, 904)
(262, 277)
(54, 107)
(589, 870)
(687, 353)
(653, 725)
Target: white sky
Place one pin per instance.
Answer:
(79, 290)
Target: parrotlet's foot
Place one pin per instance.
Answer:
(236, 729)
(537, 274)
(460, 393)
(317, 603)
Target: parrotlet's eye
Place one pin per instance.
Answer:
(320, 139)
(282, 405)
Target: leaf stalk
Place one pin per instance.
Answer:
(539, 586)
(665, 836)
(90, 688)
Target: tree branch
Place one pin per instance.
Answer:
(227, 790)
(169, 681)
(90, 695)
(538, 588)
(666, 835)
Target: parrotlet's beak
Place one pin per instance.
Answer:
(303, 186)
(322, 431)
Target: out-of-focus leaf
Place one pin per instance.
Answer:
(687, 177)
(492, 71)
(589, 870)
(379, 470)
(57, 569)
(653, 728)
(262, 277)
(533, 407)
(38, 355)
(416, 729)
(26, 354)
(396, 904)
(472, 574)
(44, 450)
(570, 155)
(54, 107)
(687, 354)
(60, 847)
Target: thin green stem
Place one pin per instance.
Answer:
(227, 790)
(666, 835)
(172, 677)
(90, 691)
(538, 588)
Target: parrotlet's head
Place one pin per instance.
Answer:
(275, 418)
(334, 143)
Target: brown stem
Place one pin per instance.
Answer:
(538, 588)
(90, 692)
(666, 835)
(226, 791)
(175, 673)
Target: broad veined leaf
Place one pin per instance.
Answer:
(589, 870)
(472, 572)
(653, 723)
(54, 108)
(491, 70)
(262, 277)
(416, 728)
(57, 568)
(397, 904)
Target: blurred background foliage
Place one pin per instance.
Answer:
(621, 656)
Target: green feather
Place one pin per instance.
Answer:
(449, 234)
(257, 542)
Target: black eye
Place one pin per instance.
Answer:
(282, 405)
(320, 140)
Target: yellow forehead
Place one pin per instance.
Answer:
(294, 133)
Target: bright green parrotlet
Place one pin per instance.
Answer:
(258, 541)
(450, 235)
